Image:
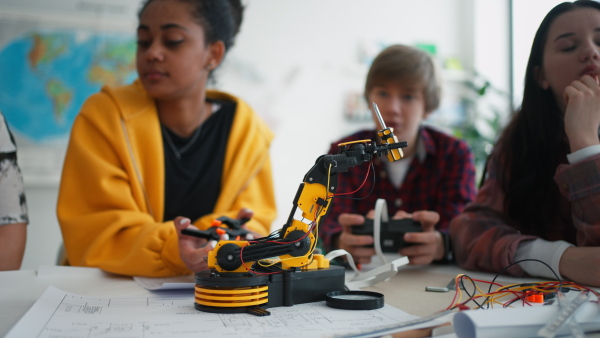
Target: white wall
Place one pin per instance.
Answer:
(527, 17)
(304, 56)
(295, 61)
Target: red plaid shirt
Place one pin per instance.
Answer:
(484, 239)
(444, 182)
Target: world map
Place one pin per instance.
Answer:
(47, 75)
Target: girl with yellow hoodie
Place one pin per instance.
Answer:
(164, 153)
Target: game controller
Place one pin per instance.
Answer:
(219, 226)
(391, 233)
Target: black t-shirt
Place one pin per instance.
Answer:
(193, 171)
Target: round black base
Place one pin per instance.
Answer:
(253, 310)
(209, 278)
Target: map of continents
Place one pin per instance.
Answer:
(46, 76)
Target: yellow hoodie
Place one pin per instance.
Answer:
(111, 198)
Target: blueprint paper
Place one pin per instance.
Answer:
(61, 314)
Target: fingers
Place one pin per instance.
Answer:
(347, 220)
(582, 117)
(586, 85)
(193, 251)
(355, 244)
(245, 213)
(429, 246)
(422, 237)
(589, 81)
(347, 239)
(212, 244)
(401, 214)
(427, 218)
(195, 259)
(419, 254)
(181, 223)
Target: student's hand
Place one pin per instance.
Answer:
(429, 244)
(582, 115)
(355, 244)
(193, 250)
(247, 213)
(581, 265)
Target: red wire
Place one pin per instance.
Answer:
(477, 296)
(312, 226)
(362, 185)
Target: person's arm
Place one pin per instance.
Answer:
(111, 199)
(579, 181)
(580, 184)
(12, 245)
(456, 188)
(13, 205)
(482, 237)
(540, 250)
(111, 194)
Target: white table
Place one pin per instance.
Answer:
(19, 290)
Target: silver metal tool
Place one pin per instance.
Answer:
(376, 110)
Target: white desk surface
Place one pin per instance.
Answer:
(19, 290)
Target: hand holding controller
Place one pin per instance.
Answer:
(221, 225)
(194, 247)
(392, 232)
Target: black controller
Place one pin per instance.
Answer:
(233, 227)
(391, 233)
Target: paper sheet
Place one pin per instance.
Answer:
(61, 314)
(519, 322)
(167, 283)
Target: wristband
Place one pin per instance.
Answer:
(448, 252)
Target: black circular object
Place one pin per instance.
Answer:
(207, 278)
(228, 257)
(354, 300)
(301, 247)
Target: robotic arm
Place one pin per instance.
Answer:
(238, 265)
(296, 240)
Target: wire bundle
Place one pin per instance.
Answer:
(508, 295)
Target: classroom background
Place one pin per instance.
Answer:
(300, 64)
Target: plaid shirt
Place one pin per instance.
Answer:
(444, 181)
(484, 240)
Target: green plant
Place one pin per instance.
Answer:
(483, 119)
